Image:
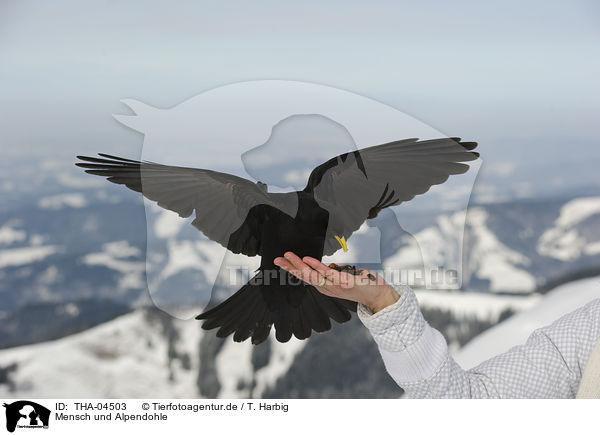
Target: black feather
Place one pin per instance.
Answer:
(245, 218)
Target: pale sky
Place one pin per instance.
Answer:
(521, 78)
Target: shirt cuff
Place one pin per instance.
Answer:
(397, 326)
(412, 350)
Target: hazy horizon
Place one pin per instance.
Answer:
(520, 81)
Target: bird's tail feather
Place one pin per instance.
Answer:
(293, 310)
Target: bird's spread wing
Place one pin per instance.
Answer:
(221, 201)
(355, 186)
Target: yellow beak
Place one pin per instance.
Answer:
(342, 242)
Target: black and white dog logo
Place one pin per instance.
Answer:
(26, 414)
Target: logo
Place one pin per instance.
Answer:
(26, 414)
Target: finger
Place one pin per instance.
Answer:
(284, 264)
(316, 264)
(288, 267)
(294, 259)
(331, 274)
(298, 263)
(307, 274)
(281, 260)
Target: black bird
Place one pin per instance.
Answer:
(245, 218)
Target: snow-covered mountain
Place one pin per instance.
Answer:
(92, 243)
(513, 247)
(572, 235)
(515, 330)
(147, 353)
(75, 254)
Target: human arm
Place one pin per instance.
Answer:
(548, 365)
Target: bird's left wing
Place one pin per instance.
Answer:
(222, 202)
(355, 186)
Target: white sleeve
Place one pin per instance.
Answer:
(548, 365)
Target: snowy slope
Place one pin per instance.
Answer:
(126, 357)
(62, 248)
(568, 239)
(142, 354)
(483, 306)
(516, 329)
(490, 259)
(486, 257)
(147, 353)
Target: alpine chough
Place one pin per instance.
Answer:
(246, 218)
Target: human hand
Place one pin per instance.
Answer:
(373, 293)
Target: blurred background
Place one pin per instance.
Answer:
(76, 319)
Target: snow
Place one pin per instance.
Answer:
(36, 239)
(121, 249)
(168, 223)
(49, 276)
(578, 210)
(495, 261)
(21, 256)
(9, 235)
(484, 306)
(363, 247)
(72, 310)
(426, 246)
(128, 358)
(201, 254)
(125, 358)
(563, 241)
(516, 329)
(440, 247)
(433, 248)
(188, 255)
(592, 248)
(78, 181)
(56, 202)
(113, 256)
(562, 244)
(234, 369)
(208, 257)
(282, 357)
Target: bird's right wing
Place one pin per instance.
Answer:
(222, 202)
(355, 186)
